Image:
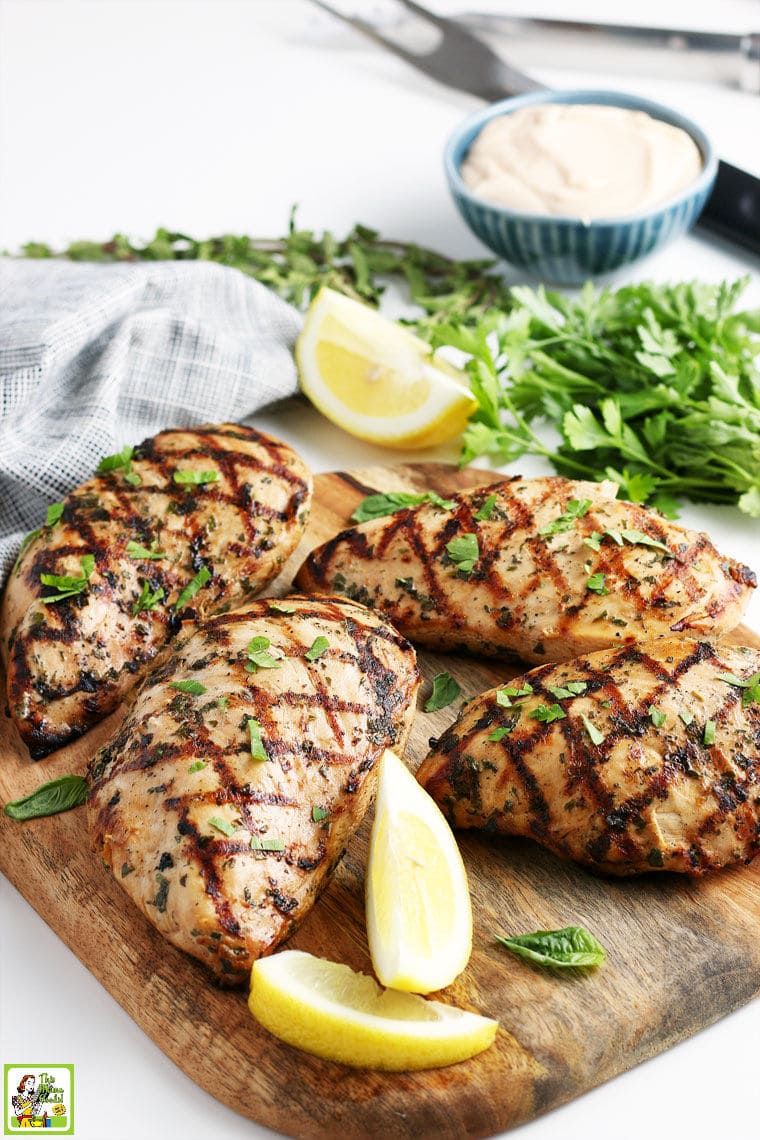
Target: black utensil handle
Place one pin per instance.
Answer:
(733, 208)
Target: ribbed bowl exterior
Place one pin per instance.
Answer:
(566, 250)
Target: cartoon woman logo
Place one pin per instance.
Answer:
(26, 1104)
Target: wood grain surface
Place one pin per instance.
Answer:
(681, 953)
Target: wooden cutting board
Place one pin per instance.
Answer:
(681, 953)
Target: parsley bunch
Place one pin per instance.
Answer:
(654, 386)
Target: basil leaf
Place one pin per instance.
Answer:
(61, 794)
(320, 646)
(258, 751)
(548, 713)
(198, 765)
(657, 718)
(445, 690)
(148, 600)
(272, 844)
(192, 588)
(485, 512)
(388, 503)
(54, 512)
(222, 825)
(137, 551)
(122, 458)
(281, 608)
(595, 736)
(499, 733)
(194, 688)
(196, 477)
(595, 583)
(258, 657)
(67, 585)
(568, 690)
(573, 946)
(318, 814)
(709, 733)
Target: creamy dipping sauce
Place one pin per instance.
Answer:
(579, 160)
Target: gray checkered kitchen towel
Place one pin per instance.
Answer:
(96, 356)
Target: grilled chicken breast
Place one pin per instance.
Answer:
(539, 568)
(226, 798)
(196, 521)
(635, 759)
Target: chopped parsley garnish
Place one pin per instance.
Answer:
(196, 477)
(273, 844)
(281, 608)
(576, 509)
(320, 646)
(148, 599)
(594, 540)
(54, 512)
(548, 713)
(686, 717)
(619, 537)
(377, 506)
(192, 588)
(501, 732)
(464, 552)
(568, 690)
(258, 655)
(197, 765)
(709, 733)
(657, 718)
(133, 478)
(503, 694)
(258, 752)
(137, 551)
(194, 688)
(595, 736)
(485, 512)
(751, 687)
(122, 458)
(67, 585)
(445, 690)
(318, 814)
(222, 825)
(595, 583)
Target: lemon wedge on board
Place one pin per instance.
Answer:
(330, 1010)
(419, 916)
(376, 380)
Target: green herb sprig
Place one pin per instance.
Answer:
(60, 794)
(377, 506)
(573, 946)
(445, 690)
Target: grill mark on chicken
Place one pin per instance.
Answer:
(603, 800)
(227, 903)
(71, 662)
(528, 592)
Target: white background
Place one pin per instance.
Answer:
(216, 117)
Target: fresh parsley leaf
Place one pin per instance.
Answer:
(273, 843)
(318, 814)
(192, 588)
(657, 717)
(54, 512)
(595, 736)
(143, 553)
(196, 477)
(197, 766)
(500, 732)
(568, 690)
(548, 713)
(121, 459)
(485, 512)
(594, 540)
(320, 646)
(686, 717)
(445, 690)
(281, 608)
(388, 503)
(148, 599)
(464, 552)
(595, 583)
(507, 693)
(258, 751)
(60, 794)
(258, 655)
(571, 947)
(222, 825)
(638, 538)
(709, 733)
(751, 687)
(575, 509)
(67, 585)
(194, 688)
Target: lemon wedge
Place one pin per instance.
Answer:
(376, 380)
(419, 917)
(330, 1010)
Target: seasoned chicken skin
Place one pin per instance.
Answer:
(560, 568)
(152, 533)
(635, 759)
(225, 800)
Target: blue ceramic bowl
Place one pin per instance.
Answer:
(568, 250)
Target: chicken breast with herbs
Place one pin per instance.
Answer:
(188, 523)
(635, 759)
(227, 797)
(542, 569)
